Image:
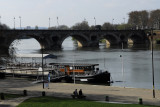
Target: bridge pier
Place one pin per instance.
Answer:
(4, 51)
(92, 44)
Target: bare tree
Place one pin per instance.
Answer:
(144, 17)
(138, 19)
(154, 20)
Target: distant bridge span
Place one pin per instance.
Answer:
(53, 39)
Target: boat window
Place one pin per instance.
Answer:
(71, 73)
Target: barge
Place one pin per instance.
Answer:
(80, 72)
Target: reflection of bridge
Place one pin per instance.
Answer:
(53, 39)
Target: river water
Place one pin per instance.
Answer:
(137, 65)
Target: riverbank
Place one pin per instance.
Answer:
(93, 92)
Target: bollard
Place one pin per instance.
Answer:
(2, 96)
(25, 92)
(107, 98)
(43, 93)
(140, 101)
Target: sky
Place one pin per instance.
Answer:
(37, 12)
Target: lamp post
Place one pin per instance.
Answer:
(152, 64)
(42, 67)
(14, 22)
(122, 66)
(151, 34)
(158, 22)
(71, 68)
(0, 19)
(20, 21)
(49, 22)
(57, 22)
(124, 23)
(112, 23)
(95, 21)
(42, 48)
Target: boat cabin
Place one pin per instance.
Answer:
(76, 68)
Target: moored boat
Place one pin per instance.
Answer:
(81, 72)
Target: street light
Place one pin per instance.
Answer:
(151, 34)
(95, 20)
(42, 48)
(20, 21)
(49, 22)
(0, 19)
(72, 68)
(14, 22)
(112, 23)
(124, 23)
(122, 66)
(57, 22)
(124, 20)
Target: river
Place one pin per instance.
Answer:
(137, 65)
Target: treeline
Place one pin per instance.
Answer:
(137, 20)
(3, 26)
(85, 26)
(144, 19)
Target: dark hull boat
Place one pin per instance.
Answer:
(70, 72)
(97, 78)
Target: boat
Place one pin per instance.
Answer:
(70, 72)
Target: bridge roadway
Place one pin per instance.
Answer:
(53, 39)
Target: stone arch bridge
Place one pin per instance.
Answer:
(53, 39)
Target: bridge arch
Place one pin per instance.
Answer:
(112, 38)
(40, 38)
(43, 42)
(138, 38)
(24, 46)
(78, 36)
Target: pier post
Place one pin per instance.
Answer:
(43, 93)
(25, 92)
(2, 96)
(107, 98)
(140, 101)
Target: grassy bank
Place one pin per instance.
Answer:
(10, 96)
(63, 102)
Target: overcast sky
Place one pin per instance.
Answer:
(69, 12)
